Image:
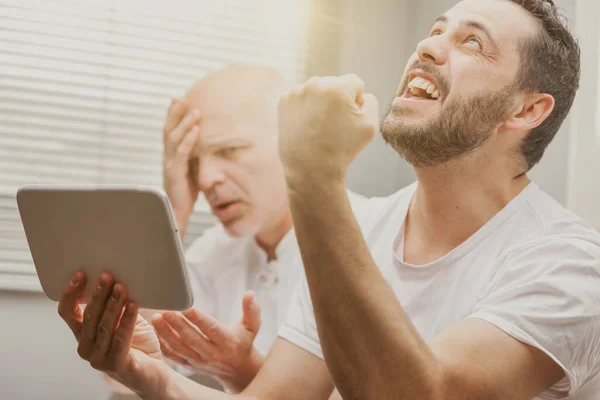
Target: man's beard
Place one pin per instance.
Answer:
(460, 128)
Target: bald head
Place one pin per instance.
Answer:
(236, 148)
(240, 92)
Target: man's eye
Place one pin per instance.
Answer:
(436, 32)
(229, 151)
(473, 41)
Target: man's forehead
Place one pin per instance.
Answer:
(507, 21)
(225, 129)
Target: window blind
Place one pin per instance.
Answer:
(85, 85)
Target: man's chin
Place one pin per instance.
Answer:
(239, 227)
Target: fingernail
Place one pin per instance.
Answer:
(131, 308)
(116, 295)
(101, 283)
(174, 102)
(75, 281)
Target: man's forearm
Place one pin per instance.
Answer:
(371, 347)
(179, 387)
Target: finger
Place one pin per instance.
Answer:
(68, 306)
(92, 315)
(371, 113)
(186, 145)
(170, 354)
(175, 114)
(354, 86)
(121, 342)
(191, 335)
(213, 330)
(174, 137)
(110, 320)
(171, 338)
(251, 312)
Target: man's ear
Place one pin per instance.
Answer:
(533, 112)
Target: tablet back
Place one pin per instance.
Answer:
(127, 231)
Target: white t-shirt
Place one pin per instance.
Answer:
(222, 268)
(533, 271)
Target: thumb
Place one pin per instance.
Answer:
(251, 312)
(371, 113)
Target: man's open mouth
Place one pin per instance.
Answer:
(422, 88)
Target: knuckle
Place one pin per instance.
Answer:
(171, 139)
(355, 79)
(118, 342)
(181, 150)
(83, 352)
(87, 315)
(213, 329)
(102, 333)
(331, 90)
(97, 364)
(313, 82)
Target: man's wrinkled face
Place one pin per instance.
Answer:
(236, 165)
(459, 86)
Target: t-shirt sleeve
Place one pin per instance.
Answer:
(300, 327)
(547, 295)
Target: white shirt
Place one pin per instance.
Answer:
(533, 271)
(222, 268)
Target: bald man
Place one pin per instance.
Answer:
(221, 141)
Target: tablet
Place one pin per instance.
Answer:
(128, 231)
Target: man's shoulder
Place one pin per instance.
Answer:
(563, 248)
(559, 227)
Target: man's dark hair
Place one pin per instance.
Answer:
(550, 63)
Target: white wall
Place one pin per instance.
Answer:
(584, 179)
(38, 357)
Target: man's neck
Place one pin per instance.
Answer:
(269, 238)
(452, 202)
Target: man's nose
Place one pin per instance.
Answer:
(433, 49)
(209, 174)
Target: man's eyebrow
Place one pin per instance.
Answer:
(441, 18)
(226, 141)
(482, 28)
(469, 24)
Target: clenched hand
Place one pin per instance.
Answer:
(323, 125)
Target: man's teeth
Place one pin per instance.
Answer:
(424, 85)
